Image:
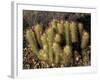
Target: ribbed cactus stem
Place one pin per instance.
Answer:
(74, 31)
(57, 51)
(60, 28)
(30, 37)
(45, 48)
(44, 39)
(54, 25)
(38, 32)
(67, 33)
(67, 54)
(85, 40)
(42, 55)
(50, 35)
(50, 56)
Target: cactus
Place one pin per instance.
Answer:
(45, 48)
(60, 27)
(67, 33)
(85, 40)
(57, 51)
(67, 54)
(50, 35)
(44, 39)
(50, 56)
(38, 32)
(54, 46)
(30, 37)
(42, 55)
(54, 25)
(74, 32)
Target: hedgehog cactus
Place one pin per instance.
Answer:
(42, 55)
(85, 40)
(45, 48)
(74, 31)
(54, 25)
(67, 54)
(44, 39)
(60, 27)
(30, 37)
(50, 56)
(38, 32)
(54, 45)
(67, 33)
(57, 51)
(50, 36)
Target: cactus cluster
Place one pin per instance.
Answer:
(61, 44)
